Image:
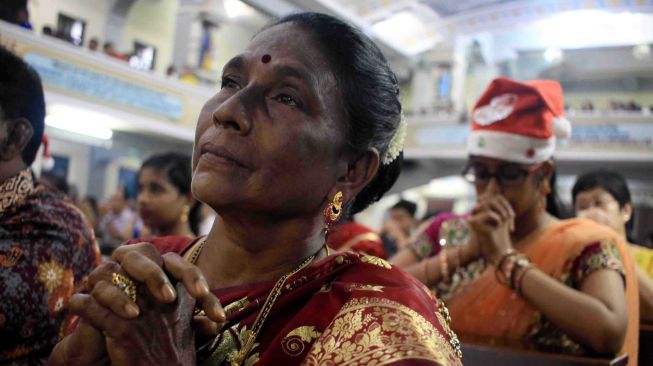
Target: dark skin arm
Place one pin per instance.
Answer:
(430, 272)
(406, 256)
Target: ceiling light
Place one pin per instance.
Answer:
(642, 51)
(81, 121)
(79, 128)
(236, 8)
(406, 31)
(553, 55)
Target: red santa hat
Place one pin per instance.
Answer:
(518, 122)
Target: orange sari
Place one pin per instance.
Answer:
(484, 308)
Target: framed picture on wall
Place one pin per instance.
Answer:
(143, 56)
(71, 29)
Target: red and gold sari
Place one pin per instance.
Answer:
(352, 236)
(348, 308)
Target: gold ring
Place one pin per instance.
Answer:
(125, 284)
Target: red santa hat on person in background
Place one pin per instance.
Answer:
(48, 161)
(518, 122)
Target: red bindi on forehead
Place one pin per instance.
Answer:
(266, 58)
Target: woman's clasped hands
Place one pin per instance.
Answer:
(492, 222)
(159, 328)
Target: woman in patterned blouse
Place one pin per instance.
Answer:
(511, 272)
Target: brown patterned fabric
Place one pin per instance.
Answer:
(15, 189)
(46, 251)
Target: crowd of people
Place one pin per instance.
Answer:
(246, 250)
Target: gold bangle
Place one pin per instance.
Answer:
(444, 264)
(519, 272)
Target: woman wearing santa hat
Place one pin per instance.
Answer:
(511, 271)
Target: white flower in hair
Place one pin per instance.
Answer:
(396, 145)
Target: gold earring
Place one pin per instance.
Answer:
(546, 187)
(333, 211)
(185, 213)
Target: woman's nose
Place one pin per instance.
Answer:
(232, 114)
(493, 186)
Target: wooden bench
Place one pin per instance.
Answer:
(646, 344)
(484, 355)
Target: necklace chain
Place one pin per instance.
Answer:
(269, 302)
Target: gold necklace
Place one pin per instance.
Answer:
(269, 302)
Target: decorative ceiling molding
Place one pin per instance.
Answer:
(509, 14)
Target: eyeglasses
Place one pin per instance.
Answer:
(506, 174)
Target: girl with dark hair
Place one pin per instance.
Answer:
(165, 203)
(511, 271)
(603, 196)
(291, 143)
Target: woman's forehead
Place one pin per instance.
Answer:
(286, 42)
(595, 192)
(149, 172)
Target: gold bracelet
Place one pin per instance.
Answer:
(509, 268)
(522, 266)
(444, 265)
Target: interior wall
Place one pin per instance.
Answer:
(78, 159)
(127, 150)
(153, 23)
(93, 12)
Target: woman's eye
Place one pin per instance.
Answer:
(287, 100)
(228, 82)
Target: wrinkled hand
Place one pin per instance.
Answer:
(160, 335)
(492, 221)
(143, 263)
(85, 346)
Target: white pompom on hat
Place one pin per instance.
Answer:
(518, 122)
